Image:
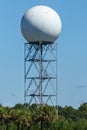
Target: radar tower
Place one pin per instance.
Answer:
(40, 26)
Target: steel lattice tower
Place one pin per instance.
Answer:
(40, 73)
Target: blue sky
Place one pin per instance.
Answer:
(72, 51)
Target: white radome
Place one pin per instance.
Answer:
(41, 24)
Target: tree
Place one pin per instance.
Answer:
(68, 112)
(83, 107)
(82, 111)
(43, 116)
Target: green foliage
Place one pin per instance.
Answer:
(68, 112)
(83, 107)
(43, 117)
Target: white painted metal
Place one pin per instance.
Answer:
(41, 24)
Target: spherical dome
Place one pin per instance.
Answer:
(41, 24)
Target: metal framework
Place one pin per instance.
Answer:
(40, 73)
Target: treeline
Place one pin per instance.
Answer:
(37, 117)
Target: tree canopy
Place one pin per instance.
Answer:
(43, 117)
